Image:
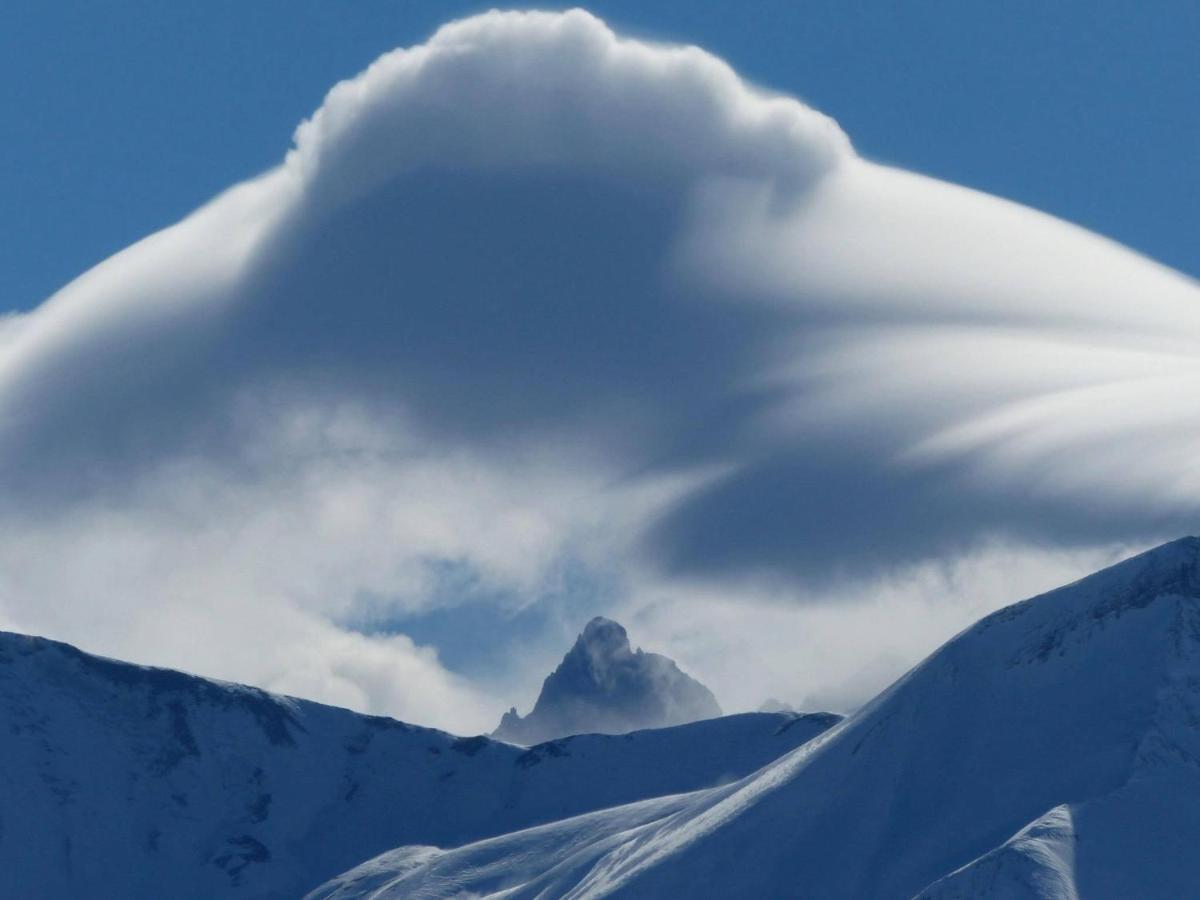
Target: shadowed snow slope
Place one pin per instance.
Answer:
(603, 685)
(1050, 751)
(120, 781)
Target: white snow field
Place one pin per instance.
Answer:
(1050, 751)
(121, 781)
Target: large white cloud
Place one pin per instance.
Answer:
(532, 297)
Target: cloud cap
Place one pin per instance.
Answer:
(533, 314)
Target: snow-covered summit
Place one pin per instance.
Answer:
(1049, 751)
(605, 686)
(124, 781)
(775, 705)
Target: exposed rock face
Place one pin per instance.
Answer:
(604, 686)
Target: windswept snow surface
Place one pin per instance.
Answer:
(604, 685)
(1050, 751)
(120, 781)
(1139, 841)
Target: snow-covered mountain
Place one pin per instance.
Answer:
(1050, 751)
(121, 781)
(773, 705)
(604, 686)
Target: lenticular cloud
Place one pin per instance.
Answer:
(532, 296)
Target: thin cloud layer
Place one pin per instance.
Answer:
(533, 298)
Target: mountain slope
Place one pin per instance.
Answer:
(603, 685)
(1042, 753)
(1139, 841)
(129, 782)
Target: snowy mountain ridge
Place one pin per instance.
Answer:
(123, 781)
(603, 685)
(1050, 751)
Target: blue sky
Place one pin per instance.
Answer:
(124, 116)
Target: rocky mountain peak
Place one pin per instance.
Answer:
(603, 685)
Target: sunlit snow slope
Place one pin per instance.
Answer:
(120, 781)
(1050, 751)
